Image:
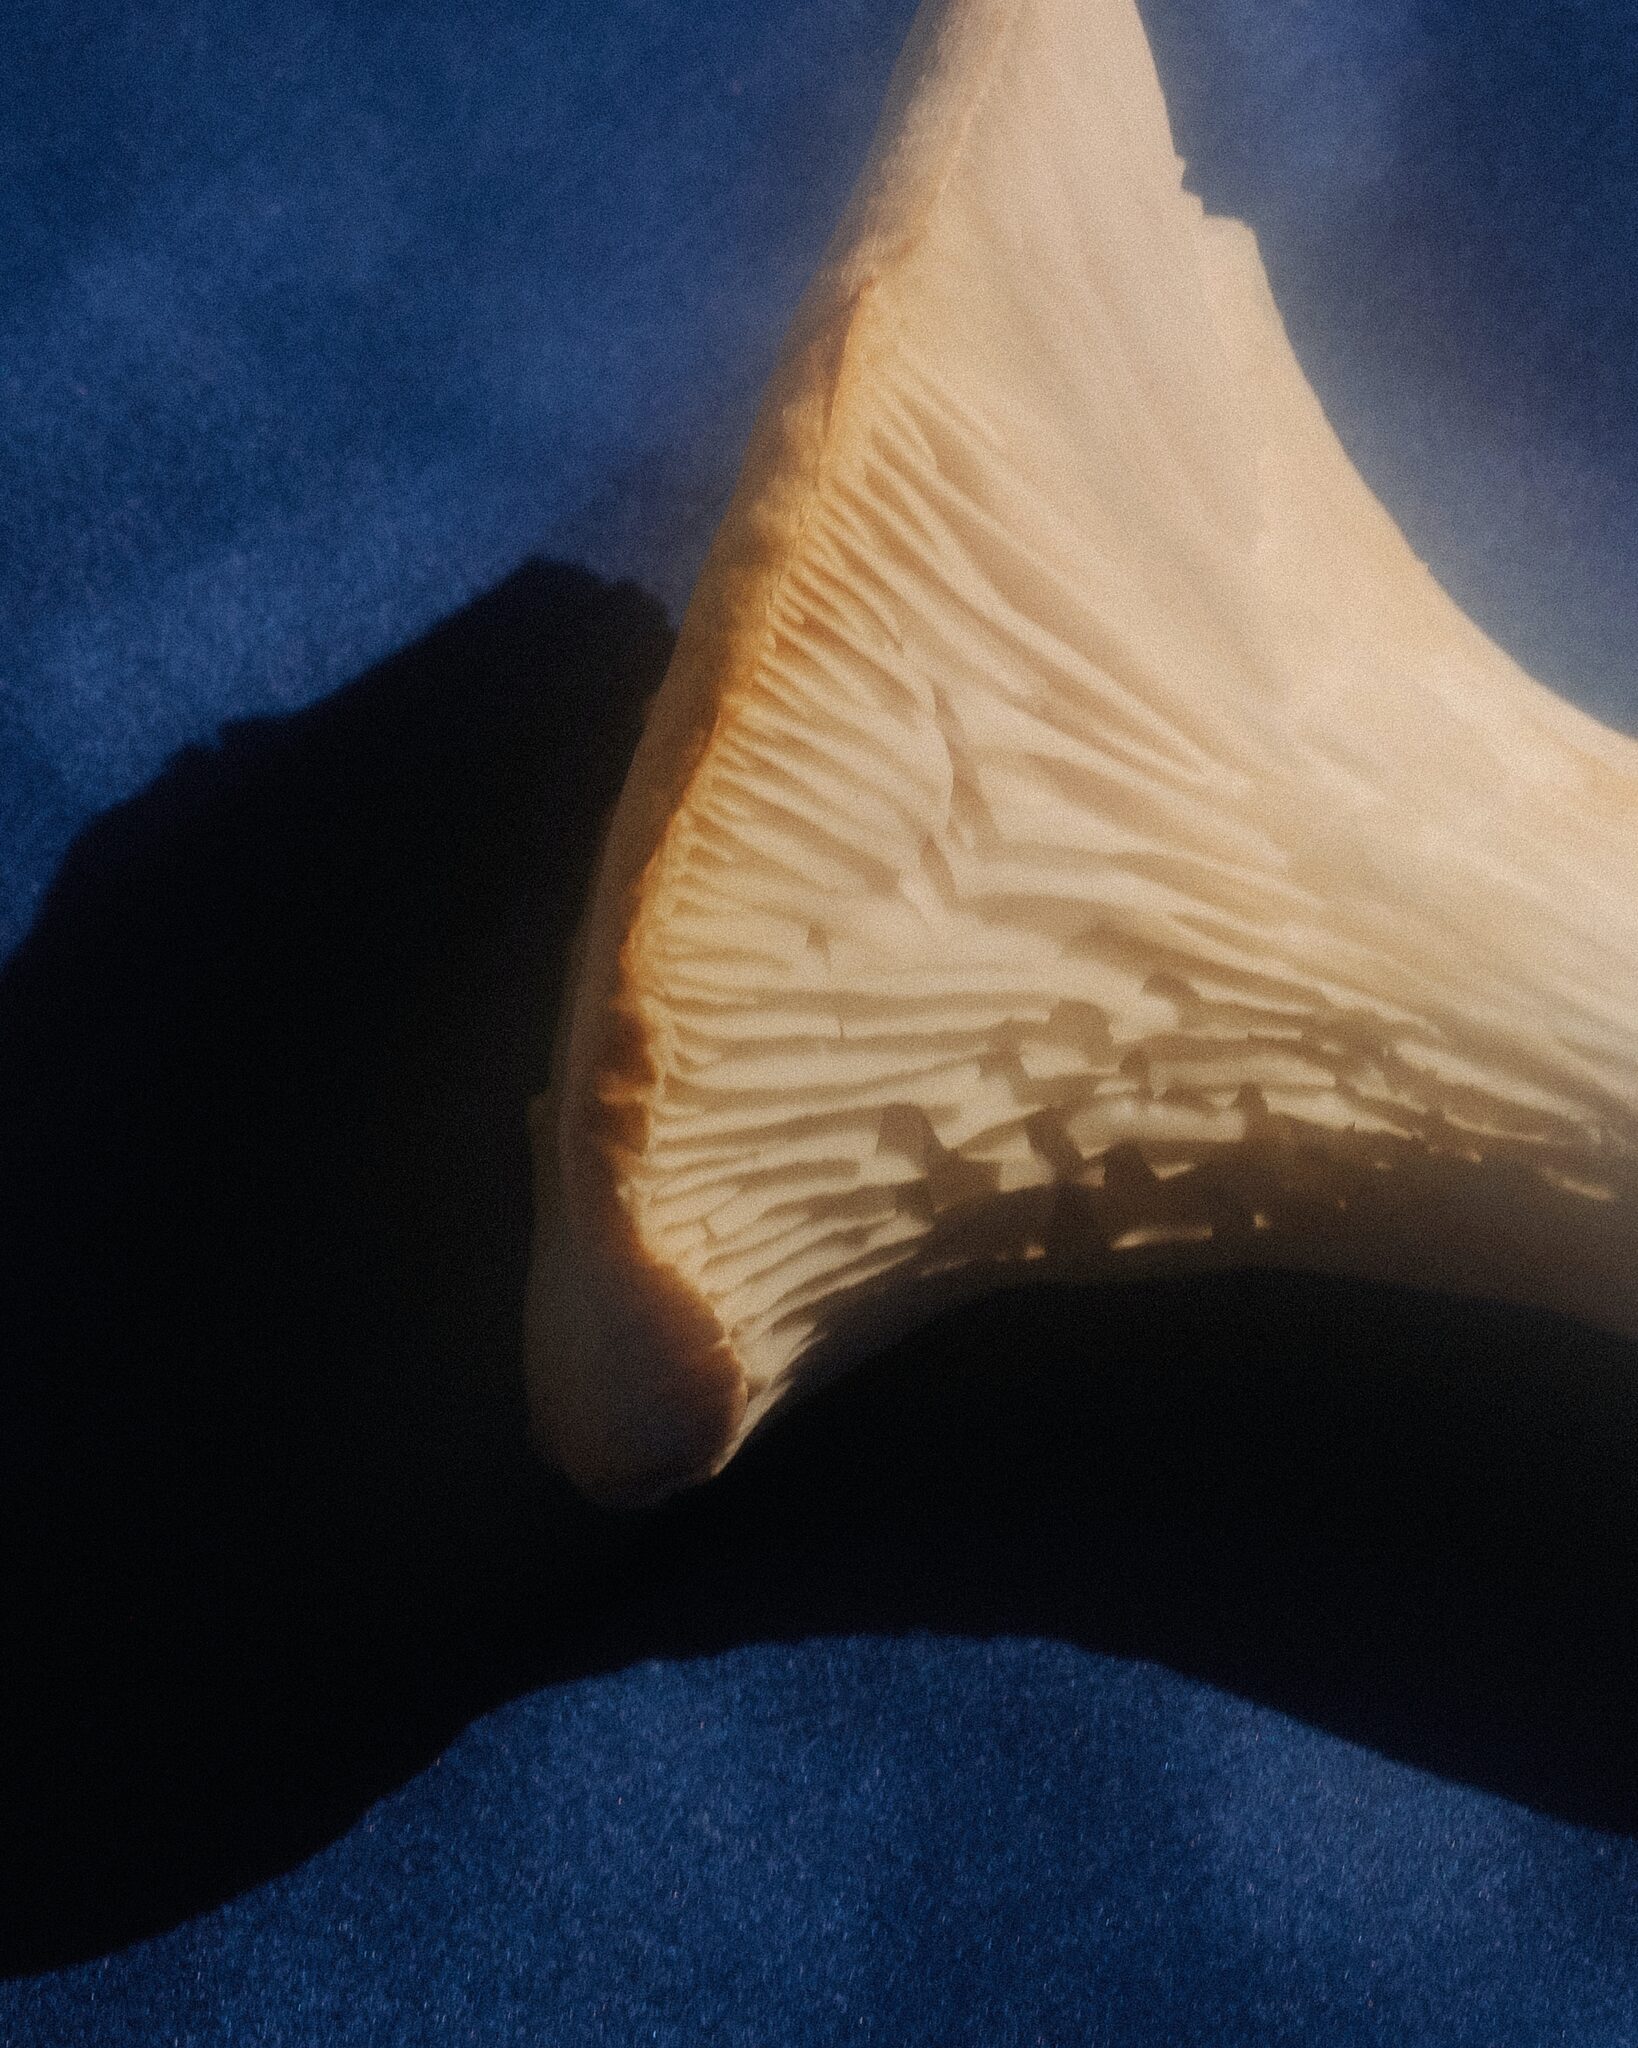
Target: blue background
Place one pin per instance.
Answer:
(1231, 1663)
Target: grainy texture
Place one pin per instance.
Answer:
(318, 319)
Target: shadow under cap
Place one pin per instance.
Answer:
(271, 1528)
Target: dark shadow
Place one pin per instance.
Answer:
(272, 1532)
(263, 1063)
(1409, 1520)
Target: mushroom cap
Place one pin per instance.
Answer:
(1075, 833)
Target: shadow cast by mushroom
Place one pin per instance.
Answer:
(263, 1063)
(272, 1532)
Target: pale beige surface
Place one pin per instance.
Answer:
(1076, 834)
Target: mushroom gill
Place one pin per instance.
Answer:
(1076, 835)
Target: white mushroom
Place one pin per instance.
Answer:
(1076, 835)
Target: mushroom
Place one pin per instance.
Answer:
(1076, 837)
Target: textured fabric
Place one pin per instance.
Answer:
(1244, 1663)
(894, 1842)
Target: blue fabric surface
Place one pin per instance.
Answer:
(1243, 1663)
(764, 1852)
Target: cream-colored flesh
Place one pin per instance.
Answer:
(1115, 850)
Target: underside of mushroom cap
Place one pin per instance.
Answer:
(1075, 835)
